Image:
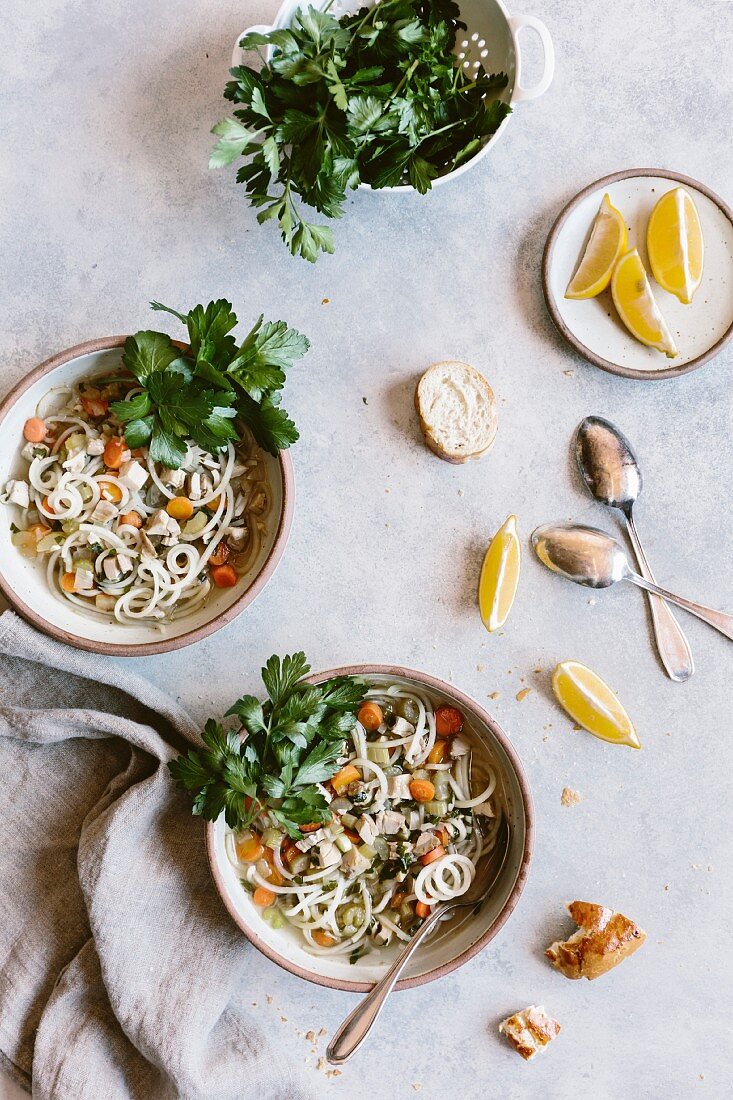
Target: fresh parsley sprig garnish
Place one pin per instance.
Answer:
(196, 395)
(283, 749)
(376, 97)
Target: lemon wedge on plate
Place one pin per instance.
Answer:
(499, 578)
(608, 240)
(675, 244)
(633, 298)
(587, 699)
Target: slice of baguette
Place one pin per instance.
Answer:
(457, 411)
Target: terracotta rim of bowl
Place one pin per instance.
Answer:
(478, 712)
(144, 649)
(560, 324)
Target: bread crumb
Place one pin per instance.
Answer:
(568, 373)
(268, 998)
(333, 1073)
(284, 1019)
(667, 887)
(523, 694)
(480, 668)
(460, 492)
(310, 1036)
(325, 301)
(323, 1031)
(416, 1085)
(322, 1065)
(493, 695)
(569, 797)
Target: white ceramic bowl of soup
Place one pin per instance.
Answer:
(23, 580)
(446, 949)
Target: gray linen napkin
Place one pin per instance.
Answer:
(121, 975)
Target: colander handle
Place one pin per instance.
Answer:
(259, 28)
(517, 23)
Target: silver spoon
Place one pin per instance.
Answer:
(593, 558)
(611, 472)
(358, 1024)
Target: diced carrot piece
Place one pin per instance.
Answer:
(341, 779)
(46, 503)
(180, 508)
(323, 939)
(311, 827)
(422, 790)
(34, 430)
(371, 716)
(249, 850)
(110, 491)
(397, 899)
(224, 576)
(220, 555)
(213, 504)
(67, 582)
(263, 897)
(437, 753)
(131, 519)
(432, 855)
(422, 910)
(115, 452)
(39, 531)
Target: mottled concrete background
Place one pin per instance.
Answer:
(107, 202)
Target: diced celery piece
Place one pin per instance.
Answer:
(343, 843)
(349, 820)
(378, 754)
(50, 542)
(196, 523)
(441, 783)
(438, 808)
(273, 917)
(367, 851)
(272, 838)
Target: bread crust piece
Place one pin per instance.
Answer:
(428, 431)
(603, 940)
(530, 1030)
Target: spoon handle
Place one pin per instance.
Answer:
(672, 644)
(358, 1024)
(717, 619)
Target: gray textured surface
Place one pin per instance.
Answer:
(107, 202)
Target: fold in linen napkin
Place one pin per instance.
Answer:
(121, 975)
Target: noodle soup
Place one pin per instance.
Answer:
(119, 536)
(417, 802)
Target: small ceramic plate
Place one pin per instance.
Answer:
(593, 327)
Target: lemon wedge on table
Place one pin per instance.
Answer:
(633, 298)
(499, 578)
(590, 701)
(675, 244)
(608, 240)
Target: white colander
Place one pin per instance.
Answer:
(491, 39)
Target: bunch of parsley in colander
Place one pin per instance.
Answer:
(377, 98)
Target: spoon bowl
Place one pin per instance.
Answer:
(607, 464)
(585, 555)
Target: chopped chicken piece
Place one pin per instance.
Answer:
(83, 577)
(400, 727)
(367, 829)
(104, 511)
(459, 747)
(328, 854)
(160, 523)
(111, 567)
(95, 446)
(425, 843)
(76, 462)
(485, 809)
(133, 475)
(311, 839)
(389, 822)
(35, 450)
(353, 863)
(17, 492)
(530, 1030)
(147, 550)
(398, 787)
(174, 479)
